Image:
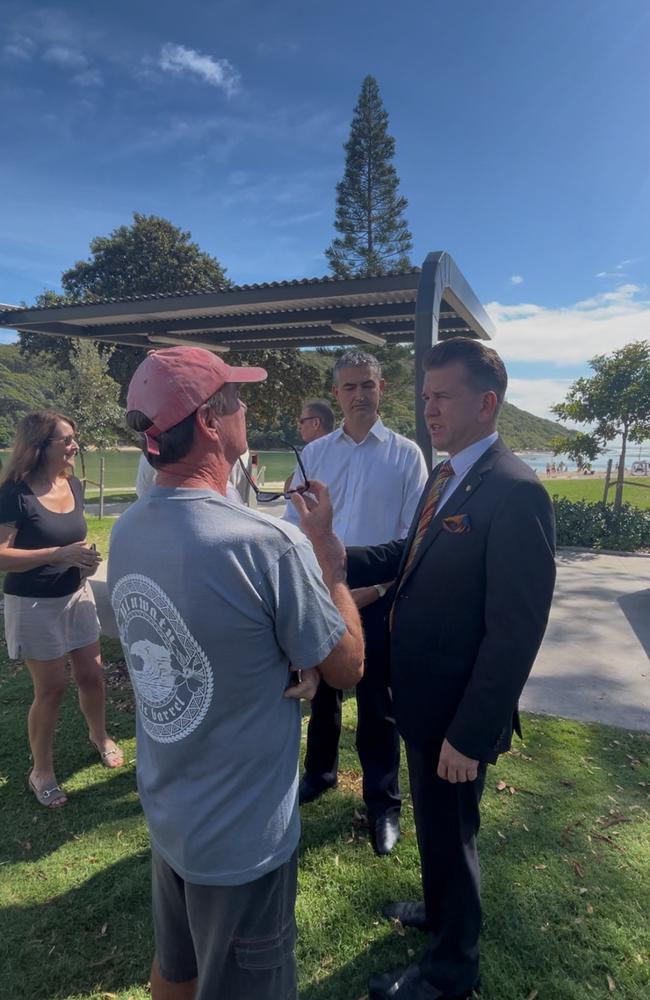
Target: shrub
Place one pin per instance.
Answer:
(599, 526)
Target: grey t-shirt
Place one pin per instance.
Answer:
(214, 602)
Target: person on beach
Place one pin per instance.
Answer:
(49, 609)
(216, 605)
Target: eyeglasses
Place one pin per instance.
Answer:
(67, 440)
(301, 420)
(263, 497)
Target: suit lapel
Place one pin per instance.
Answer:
(460, 498)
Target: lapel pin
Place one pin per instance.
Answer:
(467, 489)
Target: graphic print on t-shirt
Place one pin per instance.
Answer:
(170, 673)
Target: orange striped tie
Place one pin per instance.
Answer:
(445, 470)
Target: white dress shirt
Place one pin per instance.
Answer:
(375, 485)
(462, 463)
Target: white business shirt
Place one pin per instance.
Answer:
(375, 485)
(145, 477)
(462, 463)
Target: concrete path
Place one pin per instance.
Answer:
(594, 663)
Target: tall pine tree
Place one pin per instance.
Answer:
(375, 237)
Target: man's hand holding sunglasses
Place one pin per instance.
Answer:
(315, 514)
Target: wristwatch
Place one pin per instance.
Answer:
(381, 588)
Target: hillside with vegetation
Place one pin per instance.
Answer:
(522, 431)
(25, 384)
(29, 382)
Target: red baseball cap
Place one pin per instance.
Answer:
(170, 384)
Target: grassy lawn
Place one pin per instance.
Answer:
(565, 847)
(591, 489)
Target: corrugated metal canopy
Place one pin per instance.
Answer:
(319, 312)
(417, 306)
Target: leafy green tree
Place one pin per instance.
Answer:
(24, 386)
(614, 401)
(581, 447)
(152, 256)
(89, 394)
(375, 237)
(273, 405)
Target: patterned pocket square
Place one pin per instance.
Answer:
(458, 524)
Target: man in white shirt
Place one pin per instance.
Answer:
(375, 478)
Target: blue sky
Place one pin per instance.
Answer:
(521, 131)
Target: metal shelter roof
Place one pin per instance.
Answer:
(419, 306)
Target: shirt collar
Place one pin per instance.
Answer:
(465, 459)
(378, 430)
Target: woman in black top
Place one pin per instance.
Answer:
(49, 607)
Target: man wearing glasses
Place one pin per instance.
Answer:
(375, 478)
(215, 603)
(316, 420)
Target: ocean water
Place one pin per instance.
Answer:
(538, 460)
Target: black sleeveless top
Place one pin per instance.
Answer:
(40, 528)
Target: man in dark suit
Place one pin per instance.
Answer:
(473, 586)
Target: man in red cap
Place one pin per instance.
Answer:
(215, 604)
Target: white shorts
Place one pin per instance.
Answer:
(45, 628)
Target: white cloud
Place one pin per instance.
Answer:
(217, 72)
(537, 395)
(88, 78)
(618, 269)
(65, 58)
(20, 47)
(572, 335)
(517, 279)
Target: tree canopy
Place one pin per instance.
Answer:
(88, 393)
(152, 256)
(614, 402)
(25, 385)
(375, 237)
(149, 256)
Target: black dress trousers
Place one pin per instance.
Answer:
(447, 820)
(377, 737)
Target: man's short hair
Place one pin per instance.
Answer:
(321, 409)
(484, 368)
(356, 359)
(176, 442)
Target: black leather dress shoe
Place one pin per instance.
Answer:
(409, 984)
(409, 914)
(384, 833)
(402, 984)
(309, 791)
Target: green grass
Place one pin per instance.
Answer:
(565, 860)
(591, 489)
(114, 495)
(121, 468)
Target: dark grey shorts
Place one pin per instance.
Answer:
(238, 940)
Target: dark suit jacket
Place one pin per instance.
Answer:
(470, 614)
